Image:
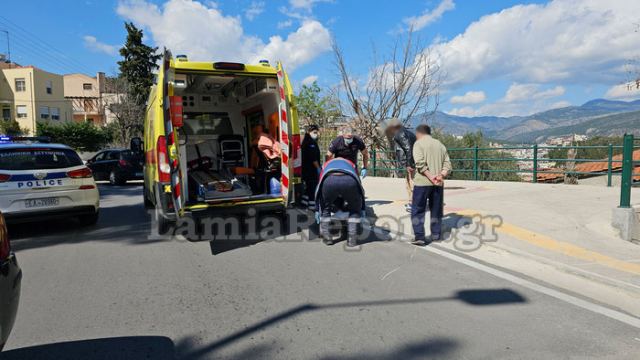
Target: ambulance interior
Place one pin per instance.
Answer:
(222, 121)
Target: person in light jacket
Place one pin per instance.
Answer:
(432, 166)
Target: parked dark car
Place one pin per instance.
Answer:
(10, 279)
(117, 165)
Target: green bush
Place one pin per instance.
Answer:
(487, 169)
(82, 136)
(11, 128)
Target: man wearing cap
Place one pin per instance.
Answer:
(347, 146)
(403, 139)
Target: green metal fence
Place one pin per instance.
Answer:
(382, 162)
(628, 164)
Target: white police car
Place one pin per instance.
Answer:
(40, 181)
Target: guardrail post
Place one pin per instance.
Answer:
(475, 163)
(609, 165)
(373, 160)
(627, 170)
(535, 163)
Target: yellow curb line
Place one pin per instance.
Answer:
(562, 247)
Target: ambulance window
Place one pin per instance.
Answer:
(38, 158)
(199, 123)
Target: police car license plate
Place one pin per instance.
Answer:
(34, 203)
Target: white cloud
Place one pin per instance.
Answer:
(573, 41)
(309, 80)
(305, 4)
(559, 104)
(519, 99)
(255, 8)
(285, 24)
(429, 16)
(623, 92)
(525, 92)
(471, 97)
(93, 44)
(205, 33)
(467, 111)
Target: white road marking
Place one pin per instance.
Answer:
(602, 310)
(389, 273)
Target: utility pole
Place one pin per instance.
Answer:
(8, 47)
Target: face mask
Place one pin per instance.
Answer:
(314, 136)
(348, 141)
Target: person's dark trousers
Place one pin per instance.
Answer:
(347, 189)
(310, 184)
(427, 197)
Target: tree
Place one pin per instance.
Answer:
(314, 107)
(401, 85)
(138, 63)
(463, 169)
(127, 112)
(131, 88)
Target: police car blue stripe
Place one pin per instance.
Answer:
(30, 177)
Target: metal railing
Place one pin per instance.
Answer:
(628, 165)
(383, 162)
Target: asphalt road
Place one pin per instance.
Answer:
(110, 292)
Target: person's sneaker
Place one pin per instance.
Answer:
(434, 238)
(352, 242)
(327, 241)
(407, 207)
(419, 242)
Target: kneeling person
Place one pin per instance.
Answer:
(339, 189)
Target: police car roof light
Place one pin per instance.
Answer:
(41, 139)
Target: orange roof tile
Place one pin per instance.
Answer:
(594, 167)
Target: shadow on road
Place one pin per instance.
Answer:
(126, 348)
(475, 297)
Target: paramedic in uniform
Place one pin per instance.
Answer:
(347, 146)
(311, 164)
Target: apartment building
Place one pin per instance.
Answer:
(90, 97)
(30, 95)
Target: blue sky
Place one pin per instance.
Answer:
(500, 57)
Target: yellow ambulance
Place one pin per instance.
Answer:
(219, 138)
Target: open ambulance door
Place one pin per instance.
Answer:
(172, 116)
(289, 136)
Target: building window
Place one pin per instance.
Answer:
(6, 113)
(21, 85)
(44, 112)
(55, 113)
(21, 111)
(49, 86)
(87, 86)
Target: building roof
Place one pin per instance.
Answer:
(593, 167)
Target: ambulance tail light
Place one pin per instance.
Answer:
(297, 155)
(5, 246)
(164, 171)
(85, 172)
(4, 177)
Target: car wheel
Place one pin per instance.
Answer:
(115, 179)
(89, 219)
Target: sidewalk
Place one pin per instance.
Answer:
(555, 233)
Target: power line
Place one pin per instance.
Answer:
(60, 58)
(31, 37)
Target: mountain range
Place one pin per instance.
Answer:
(594, 118)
